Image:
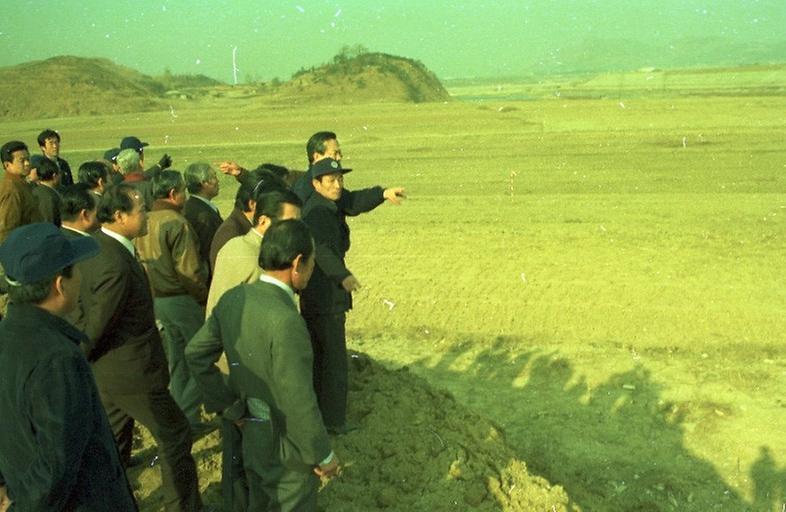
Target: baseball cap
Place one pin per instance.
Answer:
(111, 154)
(132, 142)
(38, 251)
(327, 166)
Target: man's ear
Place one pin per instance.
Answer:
(296, 263)
(57, 285)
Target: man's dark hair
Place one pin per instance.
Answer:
(118, 198)
(165, 181)
(47, 169)
(278, 170)
(316, 144)
(46, 134)
(35, 293)
(74, 199)
(9, 148)
(283, 242)
(271, 204)
(90, 172)
(258, 182)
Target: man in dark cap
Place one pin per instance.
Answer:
(137, 145)
(56, 447)
(110, 157)
(328, 297)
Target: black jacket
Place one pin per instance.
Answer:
(66, 178)
(205, 221)
(237, 224)
(56, 449)
(327, 221)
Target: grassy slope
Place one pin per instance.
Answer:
(620, 313)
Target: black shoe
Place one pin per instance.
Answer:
(341, 430)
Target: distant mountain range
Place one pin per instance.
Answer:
(600, 55)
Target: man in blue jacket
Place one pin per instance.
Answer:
(56, 449)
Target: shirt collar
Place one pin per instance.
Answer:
(206, 201)
(78, 231)
(284, 286)
(120, 238)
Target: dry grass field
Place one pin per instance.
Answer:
(604, 279)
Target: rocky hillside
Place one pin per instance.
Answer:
(363, 78)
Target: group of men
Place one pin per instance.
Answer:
(134, 261)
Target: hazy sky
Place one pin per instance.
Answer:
(275, 38)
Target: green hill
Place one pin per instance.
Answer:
(72, 86)
(360, 77)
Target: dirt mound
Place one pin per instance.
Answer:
(365, 77)
(417, 450)
(72, 86)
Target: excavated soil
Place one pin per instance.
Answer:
(417, 449)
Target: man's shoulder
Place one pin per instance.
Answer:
(317, 203)
(242, 244)
(111, 249)
(195, 206)
(12, 185)
(261, 292)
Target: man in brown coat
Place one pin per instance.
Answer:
(178, 279)
(18, 206)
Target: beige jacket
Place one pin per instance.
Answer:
(237, 263)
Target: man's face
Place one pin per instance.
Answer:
(210, 187)
(134, 223)
(51, 147)
(19, 164)
(304, 271)
(329, 186)
(179, 197)
(70, 289)
(332, 150)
